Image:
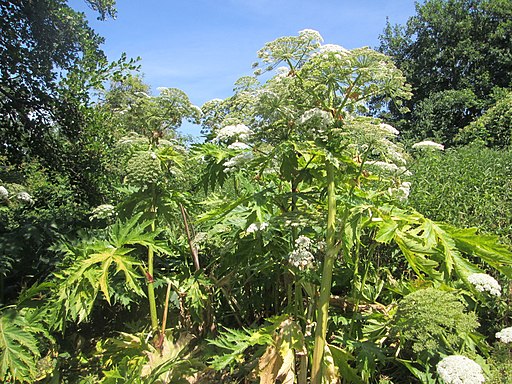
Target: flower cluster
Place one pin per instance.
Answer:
(237, 132)
(388, 129)
(237, 162)
(254, 227)
(333, 48)
(238, 145)
(310, 34)
(143, 168)
(427, 144)
(505, 335)
(318, 117)
(458, 369)
(402, 192)
(4, 193)
(485, 283)
(24, 197)
(389, 167)
(104, 211)
(301, 257)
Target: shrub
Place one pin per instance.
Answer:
(469, 186)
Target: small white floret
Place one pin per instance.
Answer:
(389, 129)
(254, 227)
(24, 197)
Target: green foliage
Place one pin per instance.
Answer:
(500, 364)
(467, 187)
(19, 346)
(237, 342)
(493, 127)
(431, 322)
(306, 196)
(441, 115)
(130, 358)
(95, 265)
(453, 53)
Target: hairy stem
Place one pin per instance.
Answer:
(326, 282)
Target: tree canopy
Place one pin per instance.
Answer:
(454, 53)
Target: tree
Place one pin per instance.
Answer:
(494, 127)
(53, 144)
(453, 53)
(43, 46)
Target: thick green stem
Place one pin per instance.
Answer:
(150, 276)
(325, 285)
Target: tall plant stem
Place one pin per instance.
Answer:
(326, 282)
(164, 316)
(193, 250)
(150, 276)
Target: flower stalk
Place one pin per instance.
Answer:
(326, 282)
(150, 277)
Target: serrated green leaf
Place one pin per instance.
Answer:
(386, 232)
(19, 352)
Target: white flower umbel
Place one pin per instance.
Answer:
(104, 211)
(237, 161)
(301, 257)
(238, 145)
(505, 335)
(402, 192)
(317, 116)
(334, 48)
(311, 34)
(238, 131)
(303, 242)
(24, 197)
(458, 369)
(485, 283)
(254, 227)
(4, 193)
(427, 144)
(389, 167)
(389, 129)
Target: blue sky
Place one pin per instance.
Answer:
(204, 46)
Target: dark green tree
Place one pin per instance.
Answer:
(50, 65)
(454, 53)
(54, 146)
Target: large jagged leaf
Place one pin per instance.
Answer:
(414, 251)
(486, 247)
(278, 361)
(342, 360)
(215, 156)
(96, 266)
(19, 352)
(123, 263)
(236, 342)
(436, 249)
(161, 361)
(133, 232)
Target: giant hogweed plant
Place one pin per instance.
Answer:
(306, 163)
(111, 264)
